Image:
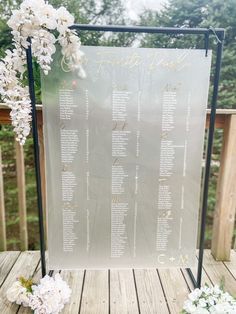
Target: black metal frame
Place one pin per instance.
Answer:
(219, 35)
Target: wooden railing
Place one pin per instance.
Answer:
(224, 214)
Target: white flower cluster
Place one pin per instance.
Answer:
(209, 300)
(14, 94)
(48, 297)
(18, 294)
(45, 26)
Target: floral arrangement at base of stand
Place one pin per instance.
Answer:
(45, 26)
(48, 297)
(209, 300)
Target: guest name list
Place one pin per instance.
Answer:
(123, 157)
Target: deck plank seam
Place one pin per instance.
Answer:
(187, 284)
(229, 270)
(136, 291)
(109, 291)
(205, 271)
(215, 263)
(208, 276)
(82, 290)
(10, 269)
(163, 290)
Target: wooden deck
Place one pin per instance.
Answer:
(117, 291)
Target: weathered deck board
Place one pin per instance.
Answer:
(232, 264)
(145, 291)
(150, 293)
(218, 272)
(24, 266)
(95, 296)
(7, 260)
(74, 280)
(123, 297)
(175, 288)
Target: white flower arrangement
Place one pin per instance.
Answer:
(44, 25)
(48, 297)
(209, 300)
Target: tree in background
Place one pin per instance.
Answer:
(200, 13)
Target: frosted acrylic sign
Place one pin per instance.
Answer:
(123, 157)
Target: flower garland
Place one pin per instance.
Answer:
(48, 297)
(45, 26)
(209, 300)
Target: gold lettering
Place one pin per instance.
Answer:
(156, 60)
(107, 57)
(115, 199)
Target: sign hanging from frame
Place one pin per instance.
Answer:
(125, 147)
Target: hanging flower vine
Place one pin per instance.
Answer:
(46, 26)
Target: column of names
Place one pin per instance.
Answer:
(120, 148)
(167, 163)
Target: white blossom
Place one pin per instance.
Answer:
(18, 294)
(210, 300)
(33, 5)
(195, 294)
(43, 47)
(200, 310)
(14, 94)
(73, 56)
(35, 19)
(64, 19)
(50, 296)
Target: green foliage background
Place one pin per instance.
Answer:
(178, 13)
